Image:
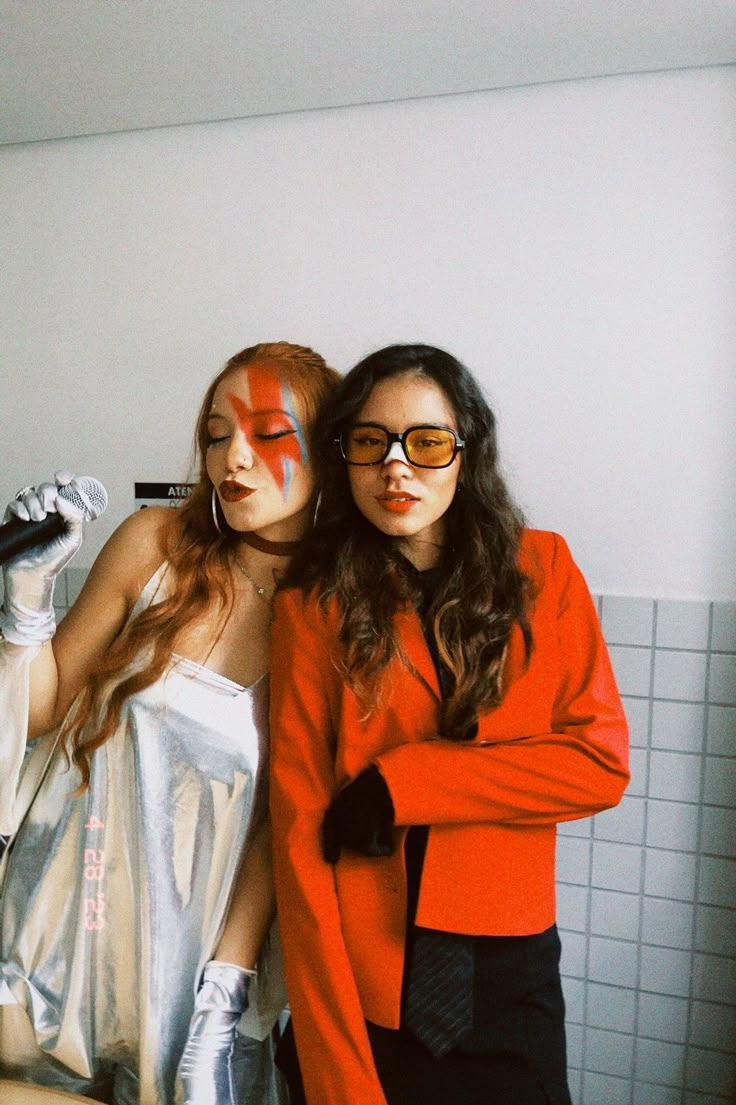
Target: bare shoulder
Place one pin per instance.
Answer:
(154, 525)
(136, 549)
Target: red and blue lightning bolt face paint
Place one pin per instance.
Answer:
(257, 453)
(271, 424)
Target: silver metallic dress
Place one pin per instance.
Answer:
(113, 901)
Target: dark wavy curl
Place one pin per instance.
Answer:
(481, 592)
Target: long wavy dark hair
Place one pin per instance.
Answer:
(199, 572)
(481, 591)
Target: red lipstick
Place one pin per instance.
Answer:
(397, 502)
(233, 492)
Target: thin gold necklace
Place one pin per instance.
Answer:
(259, 590)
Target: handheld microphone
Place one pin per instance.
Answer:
(85, 493)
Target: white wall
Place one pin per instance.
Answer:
(573, 243)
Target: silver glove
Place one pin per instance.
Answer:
(27, 614)
(206, 1069)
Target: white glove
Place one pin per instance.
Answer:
(27, 614)
(209, 1068)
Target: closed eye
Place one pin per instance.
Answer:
(218, 429)
(274, 436)
(269, 426)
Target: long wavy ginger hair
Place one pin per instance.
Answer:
(199, 577)
(481, 592)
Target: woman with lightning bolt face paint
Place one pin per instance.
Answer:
(257, 453)
(272, 396)
(148, 838)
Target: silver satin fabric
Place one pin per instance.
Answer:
(113, 901)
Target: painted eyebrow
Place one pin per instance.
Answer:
(258, 410)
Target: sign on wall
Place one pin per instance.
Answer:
(161, 494)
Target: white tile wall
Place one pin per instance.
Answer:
(721, 729)
(651, 989)
(672, 825)
(670, 874)
(660, 1062)
(638, 712)
(682, 624)
(611, 1007)
(724, 627)
(615, 915)
(647, 1094)
(713, 1025)
(662, 1018)
(715, 931)
(678, 726)
(679, 675)
(722, 681)
(614, 962)
(624, 823)
(627, 621)
(633, 667)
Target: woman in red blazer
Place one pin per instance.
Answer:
(441, 698)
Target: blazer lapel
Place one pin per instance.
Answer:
(409, 634)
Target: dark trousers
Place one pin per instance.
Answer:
(514, 1055)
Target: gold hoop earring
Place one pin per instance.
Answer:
(215, 519)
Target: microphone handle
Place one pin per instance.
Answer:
(16, 535)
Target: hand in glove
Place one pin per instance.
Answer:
(206, 1068)
(27, 615)
(360, 817)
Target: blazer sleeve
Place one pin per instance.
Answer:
(332, 1042)
(577, 768)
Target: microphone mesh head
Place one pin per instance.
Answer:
(87, 494)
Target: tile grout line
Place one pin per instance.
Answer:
(642, 876)
(698, 864)
(588, 918)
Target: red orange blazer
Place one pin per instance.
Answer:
(556, 749)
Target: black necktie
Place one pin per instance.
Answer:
(439, 985)
(439, 995)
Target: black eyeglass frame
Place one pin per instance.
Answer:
(401, 438)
